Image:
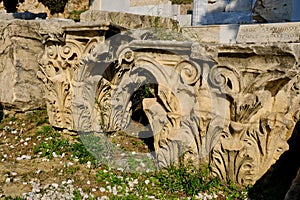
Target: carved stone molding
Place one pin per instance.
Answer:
(236, 119)
(60, 63)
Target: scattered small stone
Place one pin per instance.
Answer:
(69, 164)
(88, 164)
(55, 185)
(6, 128)
(13, 173)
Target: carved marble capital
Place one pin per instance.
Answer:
(59, 65)
(235, 116)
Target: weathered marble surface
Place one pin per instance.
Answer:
(273, 10)
(233, 106)
(21, 47)
(130, 21)
(269, 33)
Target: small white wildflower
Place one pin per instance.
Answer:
(119, 187)
(118, 145)
(131, 184)
(109, 188)
(135, 181)
(7, 180)
(27, 139)
(120, 169)
(88, 164)
(147, 182)
(69, 164)
(25, 143)
(23, 124)
(88, 182)
(143, 164)
(114, 190)
(102, 189)
(45, 160)
(199, 196)
(54, 154)
(133, 153)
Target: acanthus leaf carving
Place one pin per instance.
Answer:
(200, 111)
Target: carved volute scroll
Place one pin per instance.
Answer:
(59, 65)
(263, 107)
(230, 116)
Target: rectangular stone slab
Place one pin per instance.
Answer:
(269, 33)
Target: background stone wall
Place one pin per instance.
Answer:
(36, 7)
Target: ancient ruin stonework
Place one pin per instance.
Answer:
(128, 20)
(233, 106)
(273, 11)
(60, 62)
(21, 48)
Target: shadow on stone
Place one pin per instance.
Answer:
(277, 181)
(29, 15)
(1, 112)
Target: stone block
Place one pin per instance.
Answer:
(130, 21)
(184, 20)
(223, 34)
(21, 46)
(269, 33)
(273, 10)
(134, 3)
